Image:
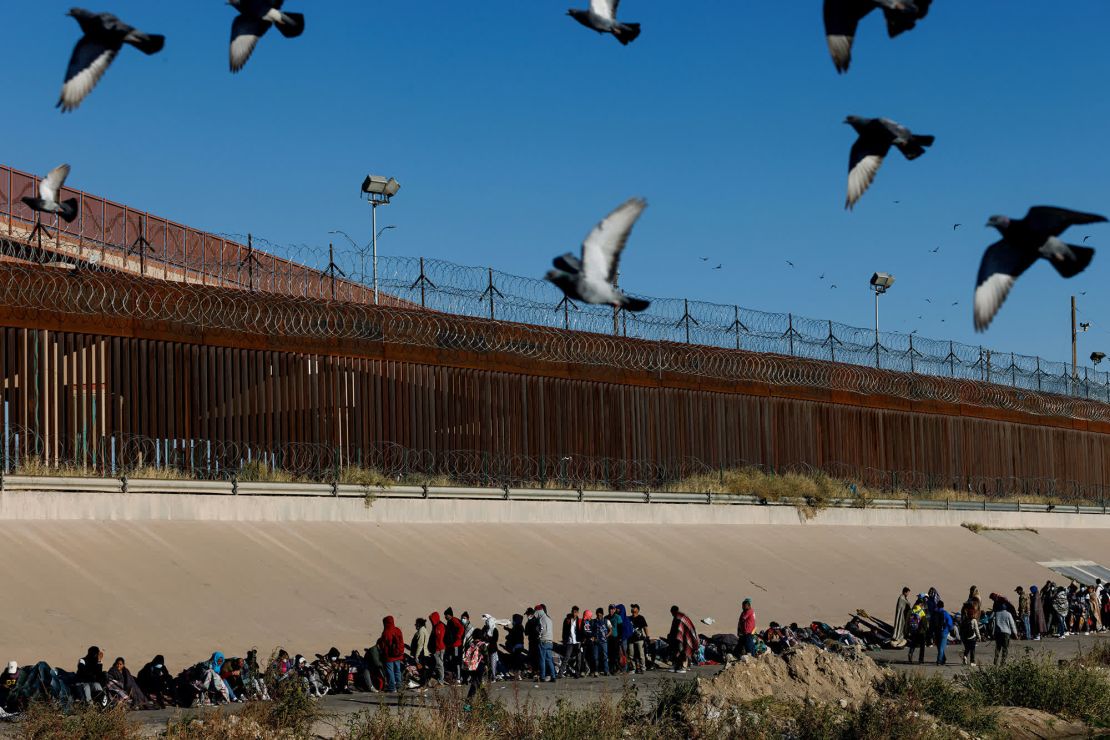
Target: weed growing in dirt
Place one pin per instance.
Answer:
(944, 699)
(1073, 690)
(47, 721)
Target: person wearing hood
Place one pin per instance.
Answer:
(253, 678)
(514, 645)
(746, 628)
(214, 686)
(546, 635)
(532, 636)
(943, 627)
(392, 644)
(156, 681)
(625, 635)
(1061, 606)
(437, 640)
(931, 601)
(491, 636)
(918, 628)
(479, 656)
(901, 619)
(90, 678)
(455, 633)
(1036, 614)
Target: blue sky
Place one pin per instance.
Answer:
(513, 130)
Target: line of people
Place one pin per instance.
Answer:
(1052, 610)
(444, 650)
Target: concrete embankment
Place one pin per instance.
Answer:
(184, 575)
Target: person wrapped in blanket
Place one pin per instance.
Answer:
(778, 638)
(90, 678)
(254, 684)
(918, 628)
(477, 658)
(8, 679)
(156, 681)
(124, 689)
(683, 639)
(309, 677)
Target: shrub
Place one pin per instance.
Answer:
(47, 721)
(1072, 690)
(944, 699)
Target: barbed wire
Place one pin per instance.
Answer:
(31, 290)
(23, 451)
(111, 237)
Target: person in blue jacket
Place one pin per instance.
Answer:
(943, 627)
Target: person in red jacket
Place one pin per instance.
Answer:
(454, 641)
(438, 646)
(392, 646)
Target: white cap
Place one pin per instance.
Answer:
(13, 667)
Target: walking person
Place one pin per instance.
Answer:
(616, 654)
(1061, 607)
(969, 631)
(943, 627)
(901, 619)
(683, 639)
(418, 648)
(478, 658)
(637, 644)
(1005, 629)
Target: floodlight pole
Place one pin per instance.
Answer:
(1074, 343)
(374, 226)
(877, 294)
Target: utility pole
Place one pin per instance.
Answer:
(1074, 342)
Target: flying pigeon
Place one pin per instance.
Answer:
(49, 190)
(832, 287)
(876, 136)
(928, 300)
(591, 279)
(956, 226)
(602, 17)
(1023, 241)
(934, 251)
(790, 263)
(1086, 238)
(718, 267)
(843, 16)
(104, 36)
(254, 20)
(821, 276)
(704, 259)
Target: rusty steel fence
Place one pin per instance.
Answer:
(32, 289)
(125, 455)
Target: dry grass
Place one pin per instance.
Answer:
(257, 471)
(46, 721)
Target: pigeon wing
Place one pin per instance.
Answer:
(1002, 265)
(605, 8)
(89, 62)
(568, 263)
(53, 182)
(602, 249)
(245, 33)
(864, 163)
(1055, 221)
(842, 17)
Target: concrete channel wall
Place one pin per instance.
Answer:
(490, 506)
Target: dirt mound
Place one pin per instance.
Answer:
(1018, 723)
(805, 672)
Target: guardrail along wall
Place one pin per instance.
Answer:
(113, 371)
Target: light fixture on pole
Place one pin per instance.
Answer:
(881, 282)
(1098, 357)
(379, 191)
